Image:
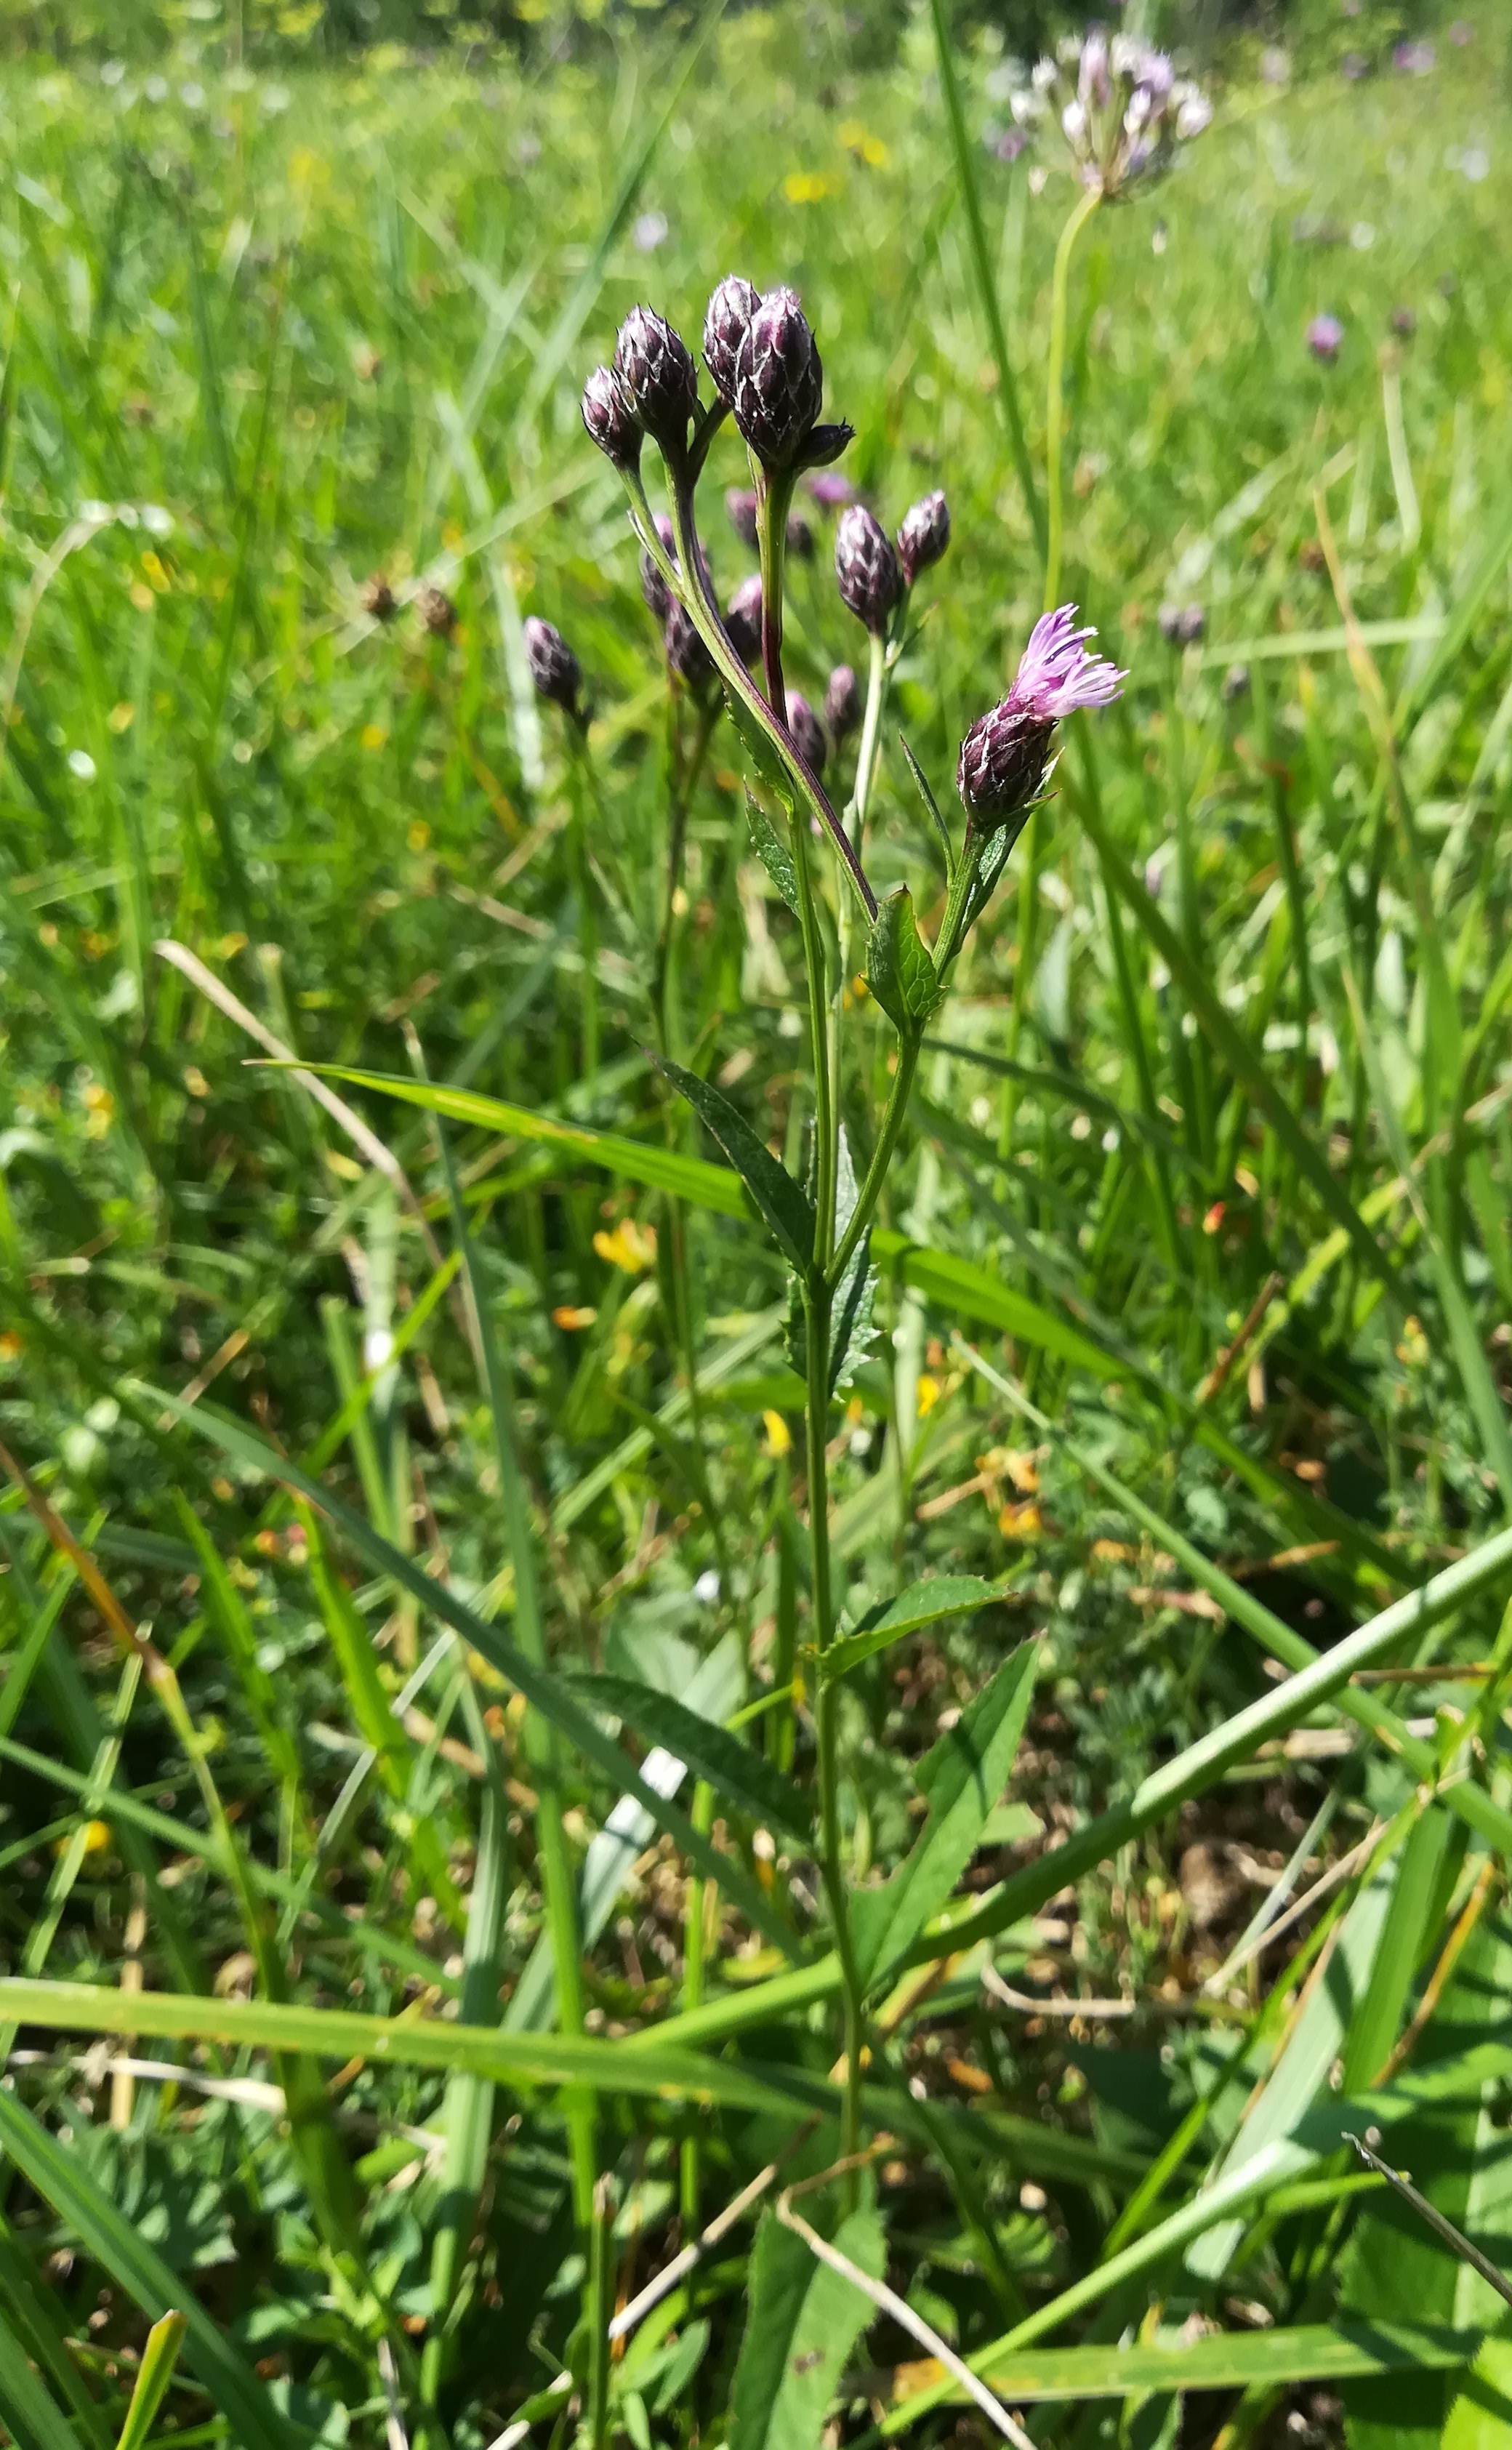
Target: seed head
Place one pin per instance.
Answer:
(1005, 753)
(378, 597)
(609, 419)
(657, 379)
(437, 611)
(841, 703)
(808, 732)
(866, 569)
(779, 383)
(924, 535)
(653, 586)
(741, 506)
(554, 668)
(687, 658)
(743, 618)
(725, 324)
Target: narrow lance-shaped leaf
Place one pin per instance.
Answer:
(899, 969)
(783, 1202)
(743, 1778)
(924, 1604)
(803, 2321)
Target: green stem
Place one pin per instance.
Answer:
(694, 1914)
(815, 1339)
(1080, 214)
(600, 2298)
(774, 494)
(908, 1049)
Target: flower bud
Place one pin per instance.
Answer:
(841, 703)
(741, 506)
(657, 379)
(378, 597)
(866, 569)
(1002, 764)
(653, 586)
(1182, 625)
(609, 419)
(437, 611)
(1236, 684)
(779, 385)
(800, 538)
(924, 535)
(743, 618)
(808, 732)
(725, 324)
(554, 668)
(687, 658)
(832, 491)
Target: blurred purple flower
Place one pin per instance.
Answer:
(1008, 143)
(1414, 59)
(1326, 338)
(831, 490)
(1353, 67)
(1462, 33)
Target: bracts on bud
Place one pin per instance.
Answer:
(841, 703)
(554, 668)
(742, 619)
(743, 510)
(726, 323)
(924, 535)
(778, 386)
(866, 569)
(808, 732)
(653, 586)
(610, 421)
(437, 611)
(657, 379)
(378, 597)
(687, 658)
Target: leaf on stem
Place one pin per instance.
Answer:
(931, 805)
(772, 850)
(785, 1205)
(741, 1778)
(963, 1779)
(900, 971)
(803, 2322)
(927, 1603)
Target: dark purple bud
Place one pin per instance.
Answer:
(554, 668)
(1236, 682)
(740, 502)
(657, 379)
(808, 732)
(1182, 625)
(1326, 338)
(831, 491)
(826, 442)
(800, 538)
(866, 569)
(687, 658)
(653, 586)
(609, 420)
(1404, 321)
(1002, 764)
(437, 611)
(841, 703)
(378, 597)
(743, 618)
(779, 385)
(725, 324)
(924, 535)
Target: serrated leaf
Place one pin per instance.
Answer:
(769, 766)
(785, 1206)
(962, 1779)
(927, 1603)
(772, 850)
(899, 969)
(741, 1776)
(803, 2322)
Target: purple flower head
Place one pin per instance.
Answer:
(1414, 59)
(1353, 67)
(1008, 143)
(830, 490)
(1057, 675)
(743, 618)
(653, 586)
(1005, 756)
(1326, 338)
(740, 509)
(1122, 109)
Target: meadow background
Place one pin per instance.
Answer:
(1209, 1169)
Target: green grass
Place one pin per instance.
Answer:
(399, 1474)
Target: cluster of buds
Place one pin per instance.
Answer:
(1006, 758)
(1122, 109)
(873, 575)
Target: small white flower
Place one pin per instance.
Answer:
(112, 72)
(98, 514)
(275, 98)
(1195, 114)
(706, 1591)
(82, 765)
(192, 96)
(157, 521)
(127, 514)
(1043, 75)
(156, 89)
(1476, 164)
(1362, 238)
(1074, 120)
